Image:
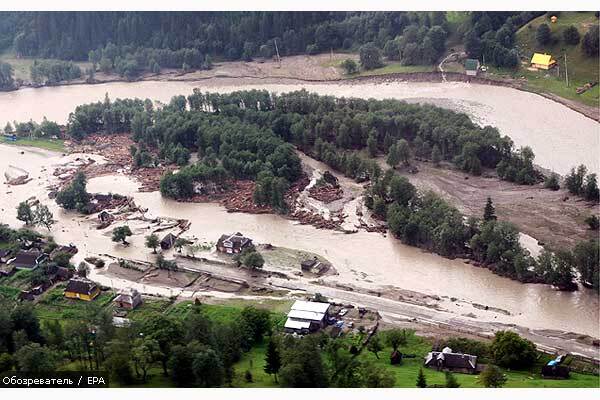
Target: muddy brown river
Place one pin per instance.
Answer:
(560, 137)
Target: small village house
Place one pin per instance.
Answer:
(554, 370)
(542, 61)
(5, 255)
(446, 360)
(306, 317)
(233, 244)
(128, 298)
(471, 66)
(27, 259)
(168, 241)
(82, 289)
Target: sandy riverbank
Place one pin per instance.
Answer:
(321, 68)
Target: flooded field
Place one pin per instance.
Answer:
(363, 259)
(560, 137)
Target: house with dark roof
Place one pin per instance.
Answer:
(128, 298)
(168, 241)
(27, 259)
(82, 289)
(234, 243)
(446, 360)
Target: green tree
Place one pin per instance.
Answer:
(575, 179)
(509, 350)
(492, 377)
(43, 216)
(35, 359)
(543, 35)
(375, 345)
(179, 243)
(272, 359)
(252, 260)
(571, 35)
(74, 196)
(586, 256)
(436, 156)
(370, 56)
(350, 67)
(397, 337)
(393, 157)
(590, 189)
(208, 368)
(552, 182)
(421, 380)
(489, 212)
(404, 151)
(120, 233)
(372, 144)
(25, 213)
(83, 269)
(593, 222)
(590, 43)
(167, 331)
(451, 381)
(401, 190)
(152, 242)
(145, 353)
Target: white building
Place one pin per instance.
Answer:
(306, 317)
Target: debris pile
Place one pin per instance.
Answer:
(326, 189)
(16, 176)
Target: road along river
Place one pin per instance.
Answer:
(560, 137)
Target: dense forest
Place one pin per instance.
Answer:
(252, 134)
(130, 42)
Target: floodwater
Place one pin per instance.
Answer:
(560, 137)
(363, 259)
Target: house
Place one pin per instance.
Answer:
(168, 241)
(7, 270)
(542, 61)
(446, 360)
(5, 255)
(105, 216)
(128, 298)
(233, 244)
(306, 317)
(554, 369)
(28, 259)
(70, 249)
(307, 265)
(82, 289)
(471, 66)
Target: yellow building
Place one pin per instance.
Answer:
(542, 61)
(82, 289)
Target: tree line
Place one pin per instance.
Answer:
(229, 35)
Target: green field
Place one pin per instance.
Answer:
(406, 373)
(22, 65)
(581, 69)
(57, 145)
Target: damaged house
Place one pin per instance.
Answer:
(234, 243)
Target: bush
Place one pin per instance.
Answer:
(571, 36)
(509, 350)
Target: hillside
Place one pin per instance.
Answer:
(581, 69)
